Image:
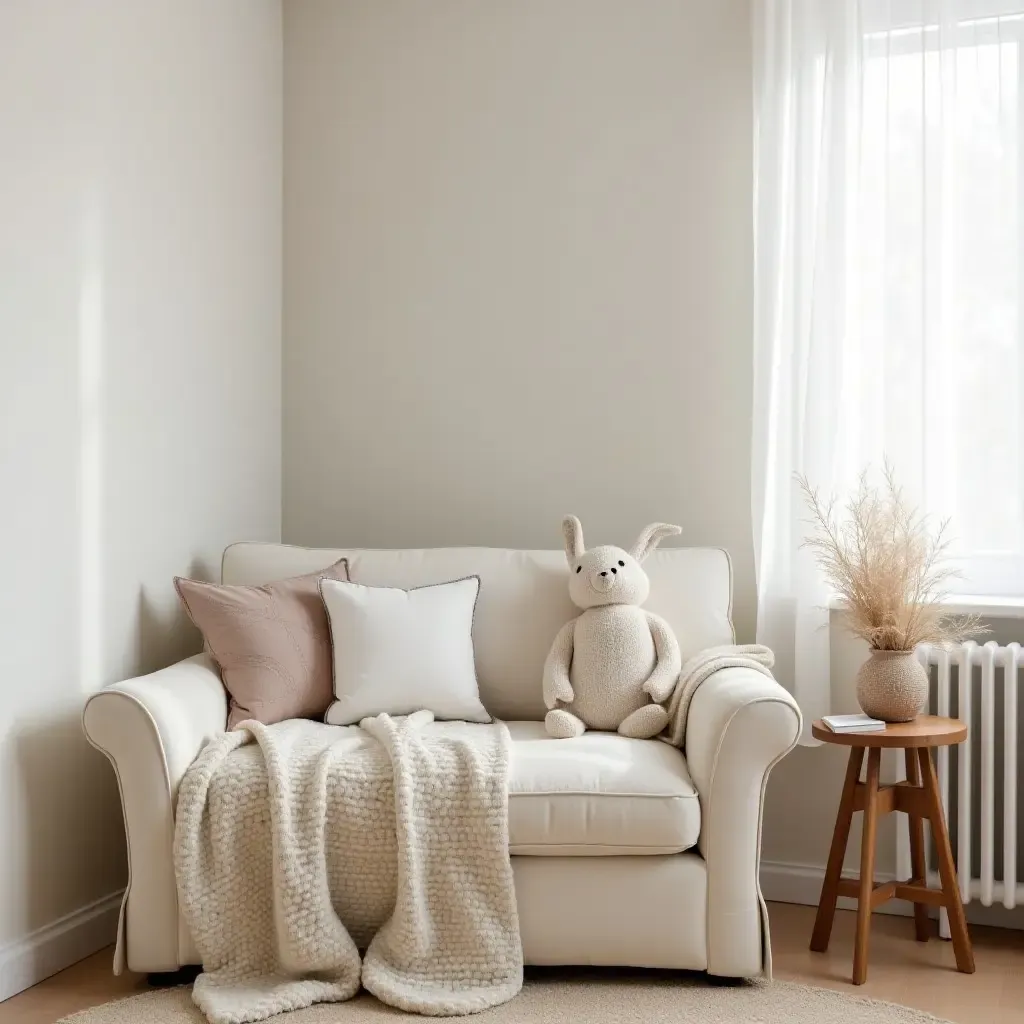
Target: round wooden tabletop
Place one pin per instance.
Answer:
(924, 731)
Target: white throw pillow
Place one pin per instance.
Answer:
(397, 651)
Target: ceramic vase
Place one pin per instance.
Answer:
(892, 686)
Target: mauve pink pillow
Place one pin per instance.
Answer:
(272, 643)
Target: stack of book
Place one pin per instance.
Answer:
(853, 723)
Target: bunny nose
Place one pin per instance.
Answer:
(602, 581)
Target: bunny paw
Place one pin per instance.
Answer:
(645, 723)
(562, 725)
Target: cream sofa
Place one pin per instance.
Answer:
(625, 852)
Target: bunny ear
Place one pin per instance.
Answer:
(649, 538)
(572, 531)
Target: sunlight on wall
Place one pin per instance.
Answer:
(90, 461)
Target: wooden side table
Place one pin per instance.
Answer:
(921, 802)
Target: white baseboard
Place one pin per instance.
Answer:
(58, 945)
(801, 883)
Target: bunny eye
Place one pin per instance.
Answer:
(579, 568)
(621, 562)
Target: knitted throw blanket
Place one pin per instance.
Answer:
(294, 851)
(702, 665)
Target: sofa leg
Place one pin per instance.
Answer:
(169, 979)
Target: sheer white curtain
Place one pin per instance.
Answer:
(888, 286)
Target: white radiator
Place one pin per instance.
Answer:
(978, 685)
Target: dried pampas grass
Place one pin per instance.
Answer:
(887, 566)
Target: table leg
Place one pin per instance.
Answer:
(833, 872)
(917, 858)
(947, 871)
(867, 867)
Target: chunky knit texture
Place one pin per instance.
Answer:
(702, 666)
(293, 852)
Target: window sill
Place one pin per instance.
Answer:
(974, 604)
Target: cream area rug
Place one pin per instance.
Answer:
(567, 997)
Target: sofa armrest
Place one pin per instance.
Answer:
(151, 729)
(741, 723)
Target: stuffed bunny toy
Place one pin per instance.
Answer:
(613, 666)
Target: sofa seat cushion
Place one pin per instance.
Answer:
(599, 794)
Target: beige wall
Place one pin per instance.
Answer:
(803, 792)
(517, 272)
(140, 215)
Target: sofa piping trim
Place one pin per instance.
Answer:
(604, 792)
(558, 849)
(728, 562)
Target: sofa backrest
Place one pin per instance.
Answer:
(524, 600)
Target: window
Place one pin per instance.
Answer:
(939, 270)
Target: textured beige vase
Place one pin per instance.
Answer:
(892, 686)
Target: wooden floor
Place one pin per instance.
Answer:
(901, 970)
